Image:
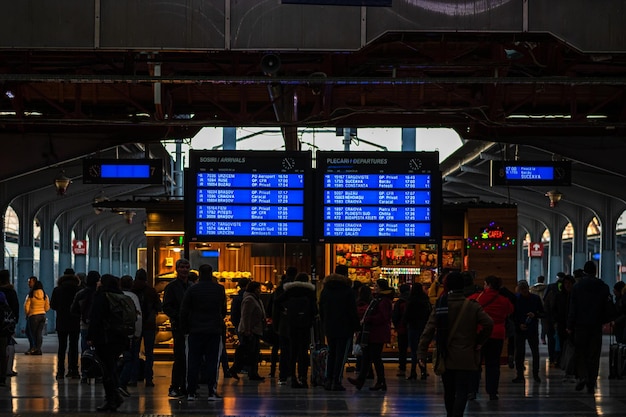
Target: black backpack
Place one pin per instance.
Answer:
(299, 312)
(122, 315)
(7, 327)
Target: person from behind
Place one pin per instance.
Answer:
(539, 289)
(584, 323)
(398, 318)
(202, 315)
(619, 325)
(281, 328)
(7, 328)
(11, 296)
(150, 307)
(81, 308)
(377, 321)
(172, 299)
(498, 307)
(340, 320)
(108, 343)
(461, 348)
(299, 301)
(418, 310)
(560, 313)
(131, 355)
(67, 324)
(437, 287)
(235, 317)
(36, 305)
(528, 311)
(250, 331)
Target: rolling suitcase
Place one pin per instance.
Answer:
(617, 359)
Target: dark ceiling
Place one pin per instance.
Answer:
(531, 90)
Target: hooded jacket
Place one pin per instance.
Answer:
(61, 301)
(252, 315)
(37, 304)
(297, 289)
(337, 307)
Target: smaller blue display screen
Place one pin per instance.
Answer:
(524, 173)
(125, 171)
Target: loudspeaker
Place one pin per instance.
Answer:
(270, 64)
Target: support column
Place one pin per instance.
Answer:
(25, 254)
(580, 240)
(535, 265)
(65, 243)
(409, 139)
(229, 138)
(47, 274)
(555, 263)
(608, 259)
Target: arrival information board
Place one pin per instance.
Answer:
(379, 197)
(248, 196)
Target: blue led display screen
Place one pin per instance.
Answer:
(522, 172)
(249, 196)
(125, 171)
(379, 197)
(525, 173)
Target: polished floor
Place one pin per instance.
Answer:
(35, 392)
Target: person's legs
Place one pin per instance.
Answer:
(491, 353)
(595, 350)
(533, 343)
(403, 345)
(72, 354)
(148, 348)
(462, 382)
(179, 367)
(379, 367)
(62, 348)
(195, 346)
(413, 339)
(283, 362)
(213, 352)
(3, 363)
(37, 323)
(449, 390)
(29, 335)
(520, 353)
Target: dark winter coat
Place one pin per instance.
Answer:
(81, 306)
(12, 300)
(587, 303)
(297, 289)
(524, 305)
(173, 299)
(235, 308)
(252, 315)
(97, 333)
(61, 301)
(203, 308)
(378, 321)
(398, 316)
(150, 303)
(337, 307)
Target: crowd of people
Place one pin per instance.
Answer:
(469, 326)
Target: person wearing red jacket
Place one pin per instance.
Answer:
(498, 307)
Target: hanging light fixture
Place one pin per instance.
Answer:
(128, 215)
(61, 182)
(554, 196)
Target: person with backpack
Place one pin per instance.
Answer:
(150, 306)
(131, 355)
(7, 328)
(398, 318)
(300, 304)
(109, 341)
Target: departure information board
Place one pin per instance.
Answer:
(378, 197)
(527, 173)
(248, 196)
